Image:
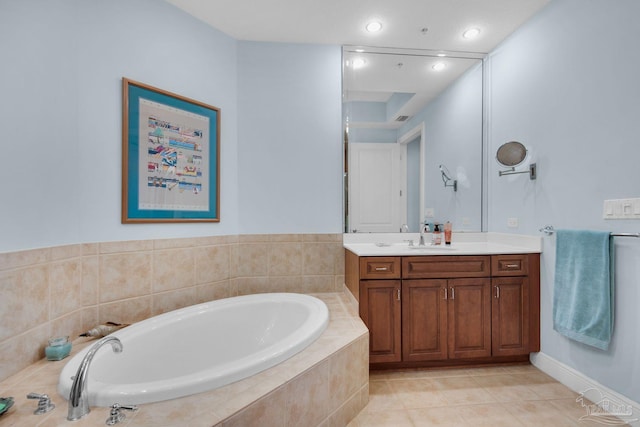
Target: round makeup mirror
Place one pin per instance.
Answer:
(511, 153)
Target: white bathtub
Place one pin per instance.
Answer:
(199, 348)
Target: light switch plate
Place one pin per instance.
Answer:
(621, 209)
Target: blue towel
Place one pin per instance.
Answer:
(583, 292)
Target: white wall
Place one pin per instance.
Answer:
(60, 115)
(38, 135)
(290, 145)
(60, 112)
(567, 85)
(453, 137)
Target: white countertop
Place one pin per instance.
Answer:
(396, 244)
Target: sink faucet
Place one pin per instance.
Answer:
(79, 397)
(424, 228)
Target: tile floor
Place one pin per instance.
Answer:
(493, 396)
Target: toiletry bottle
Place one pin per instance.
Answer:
(437, 235)
(447, 233)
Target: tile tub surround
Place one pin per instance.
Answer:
(326, 385)
(67, 290)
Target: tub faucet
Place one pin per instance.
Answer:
(78, 397)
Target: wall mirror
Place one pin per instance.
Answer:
(405, 113)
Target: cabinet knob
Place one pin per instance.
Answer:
(497, 292)
(512, 266)
(398, 294)
(381, 268)
(445, 292)
(453, 293)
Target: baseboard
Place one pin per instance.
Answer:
(625, 408)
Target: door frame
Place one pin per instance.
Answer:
(405, 139)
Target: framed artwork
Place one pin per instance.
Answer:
(170, 157)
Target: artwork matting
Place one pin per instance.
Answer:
(170, 157)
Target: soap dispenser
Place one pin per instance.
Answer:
(436, 238)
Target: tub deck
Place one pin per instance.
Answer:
(326, 382)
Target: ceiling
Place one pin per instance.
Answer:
(342, 22)
(432, 25)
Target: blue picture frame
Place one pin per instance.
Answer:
(170, 157)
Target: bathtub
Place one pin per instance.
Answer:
(199, 348)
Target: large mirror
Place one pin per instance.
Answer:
(408, 115)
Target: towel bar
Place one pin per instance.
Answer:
(549, 230)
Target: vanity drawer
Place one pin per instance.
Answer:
(445, 267)
(510, 265)
(380, 267)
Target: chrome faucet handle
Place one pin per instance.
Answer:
(410, 241)
(44, 403)
(115, 416)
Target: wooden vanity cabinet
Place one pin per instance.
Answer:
(515, 307)
(380, 310)
(446, 313)
(447, 310)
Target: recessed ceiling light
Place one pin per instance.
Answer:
(442, 55)
(359, 50)
(439, 66)
(471, 33)
(374, 26)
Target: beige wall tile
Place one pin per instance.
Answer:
(311, 284)
(11, 260)
(173, 269)
(89, 318)
(89, 249)
(346, 374)
(25, 300)
(285, 238)
(348, 411)
(125, 246)
(253, 260)
(168, 301)
(89, 280)
(65, 284)
(234, 258)
(322, 237)
(264, 412)
(252, 285)
(212, 263)
(69, 325)
(307, 397)
(319, 258)
(285, 259)
(253, 238)
(65, 252)
(125, 311)
(21, 351)
(214, 291)
(124, 276)
(161, 244)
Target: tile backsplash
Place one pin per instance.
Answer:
(67, 290)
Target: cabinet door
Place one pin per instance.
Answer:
(510, 316)
(380, 311)
(469, 316)
(424, 319)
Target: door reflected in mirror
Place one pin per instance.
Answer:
(405, 113)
